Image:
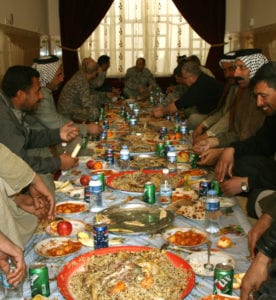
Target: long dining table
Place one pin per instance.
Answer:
(233, 216)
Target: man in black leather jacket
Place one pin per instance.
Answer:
(260, 279)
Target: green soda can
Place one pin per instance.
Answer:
(223, 279)
(216, 187)
(39, 279)
(193, 158)
(160, 150)
(102, 179)
(149, 193)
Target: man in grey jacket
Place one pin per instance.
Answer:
(21, 92)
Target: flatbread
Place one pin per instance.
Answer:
(194, 211)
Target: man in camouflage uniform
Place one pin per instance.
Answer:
(76, 101)
(139, 80)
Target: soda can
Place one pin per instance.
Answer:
(87, 194)
(223, 279)
(216, 187)
(39, 279)
(204, 187)
(100, 234)
(160, 150)
(193, 158)
(149, 193)
(164, 130)
(102, 179)
(109, 156)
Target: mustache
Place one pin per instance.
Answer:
(238, 78)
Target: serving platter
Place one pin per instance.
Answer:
(132, 182)
(187, 237)
(77, 265)
(136, 218)
(57, 247)
(72, 208)
(198, 259)
(77, 225)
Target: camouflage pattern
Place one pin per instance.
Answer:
(135, 79)
(76, 101)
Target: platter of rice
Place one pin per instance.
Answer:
(133, 182)
(126, 273)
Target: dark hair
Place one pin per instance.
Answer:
(18, 78)
(266, 73)
(191, 67)
(103, 59)
(194, 58)
(178, 70)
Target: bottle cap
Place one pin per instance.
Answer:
(165, 171)
(95, 177)
(212, 193)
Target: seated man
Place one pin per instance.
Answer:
(200, 98)
(254, 166)
(139, 80)
(243, 116)
(75, 101)
(179, 89)
(217, 122)
(203, 68)
(21, 93)
(99, 83)
(260, 280)
(46, 115)
(20, 212)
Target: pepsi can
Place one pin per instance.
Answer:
(100, 234)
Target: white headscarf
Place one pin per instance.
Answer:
(47, 67)
(253, 62)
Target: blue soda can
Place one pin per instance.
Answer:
(204, 187)
(109, 156)
(100, 234)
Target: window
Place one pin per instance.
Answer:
(151, 29)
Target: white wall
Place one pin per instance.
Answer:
(257, 13)
(31, 15)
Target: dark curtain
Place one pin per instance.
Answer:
(207, 18)
(78, 19)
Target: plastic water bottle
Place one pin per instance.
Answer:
(64, 149)
(132, 124)
(165, 189)
(172, 159)
(11, 292)
(96, 200)
(124, 158)
(212, 212)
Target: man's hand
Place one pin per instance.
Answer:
(206, 144)
(256, 274)
(158, 112)
(232, 186)
(225, 164)
(210, 157)
(94, 128)
(257, 230)
(199, 138)
(68, 132)
(198, 131)
(42, 196)
(67, 161)
(9, 249)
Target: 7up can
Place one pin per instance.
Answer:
(223, 279)
(39, 279)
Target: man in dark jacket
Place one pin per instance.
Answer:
(199, 100)
(254, 165)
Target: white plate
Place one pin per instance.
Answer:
(43, 246)
(77, 193)
(77, 227)
(211, 297)
(172, 231)
(83, 204)
(198, 259)
(226, 202)
(84, 159)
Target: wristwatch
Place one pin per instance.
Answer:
(244, 187)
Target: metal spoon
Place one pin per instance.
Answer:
(209, 266)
